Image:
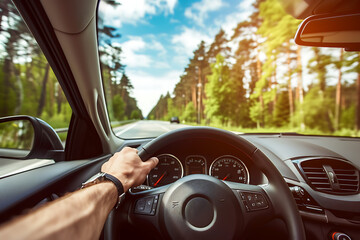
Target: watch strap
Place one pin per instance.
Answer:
(118, 185)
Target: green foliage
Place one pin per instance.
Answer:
(348, 117)
(160, 111)
(318, 65)
(317, 113)
(16, 135)
(172, 111)
(219, 91)
(189, 115)
(136, 114)
(118, 107)
(281, 112)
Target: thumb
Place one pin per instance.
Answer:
(152, 162)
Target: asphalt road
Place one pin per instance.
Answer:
(145, 129)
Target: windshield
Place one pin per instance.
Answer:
(227, 64)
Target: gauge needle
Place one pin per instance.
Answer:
(160, 179)
(228, 175)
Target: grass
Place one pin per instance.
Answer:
(341, 132)
(121, 123)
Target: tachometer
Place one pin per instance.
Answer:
(229, 168)
(168, 170)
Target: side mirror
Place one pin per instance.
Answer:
(25, 137)
(339, 31)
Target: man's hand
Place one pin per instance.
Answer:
(127, 166)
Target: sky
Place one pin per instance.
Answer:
(159, 36)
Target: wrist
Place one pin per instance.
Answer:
(111, 192)
(106, 177)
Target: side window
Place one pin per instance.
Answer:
(28, 84)
(29, 87)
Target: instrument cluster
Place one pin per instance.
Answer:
(225, 167)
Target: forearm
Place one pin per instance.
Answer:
(80, 215)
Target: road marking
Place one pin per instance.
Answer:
(127, 129)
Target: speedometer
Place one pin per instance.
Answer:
(229, 168)
(168, 170)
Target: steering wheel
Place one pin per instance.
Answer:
(203, 207)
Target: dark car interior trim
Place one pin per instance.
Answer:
(23, 191)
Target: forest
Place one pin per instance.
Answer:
(264, 82)
(29, 86)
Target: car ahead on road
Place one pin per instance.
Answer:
(209, 183)
(174, 120)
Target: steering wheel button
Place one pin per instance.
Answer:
(140, 206)
(152, 211)
(148, 205)
(246, 206)
(241, 195)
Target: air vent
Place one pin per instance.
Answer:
(348, 179)
(330, 175)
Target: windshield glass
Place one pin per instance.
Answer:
(227, 64)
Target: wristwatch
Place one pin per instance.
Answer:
(101, 177)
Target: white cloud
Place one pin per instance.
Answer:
(246, 5)
(228, 24)
(134, 11)
(133, 53)
(188, 40)
(131, 57)
(199, 10)
(149, 87)
(155, 45)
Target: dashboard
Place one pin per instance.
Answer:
(321, 172)
(325, 207)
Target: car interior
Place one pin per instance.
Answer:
(210, 183)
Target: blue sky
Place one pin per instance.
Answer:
(159, 36)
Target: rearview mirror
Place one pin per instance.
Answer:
(341, 31)
(25, 137)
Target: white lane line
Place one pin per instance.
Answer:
(127, 129)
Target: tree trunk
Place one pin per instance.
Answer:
(338, 94)
(43, 91)
(291, 101)
(59, 98)
(199, 96)
(258, 71)
(193, 95)
(300, 90)
(19, 92)
(6, 88)
(357, 127)
(51, 97)
(8, 73)
(274, 82)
